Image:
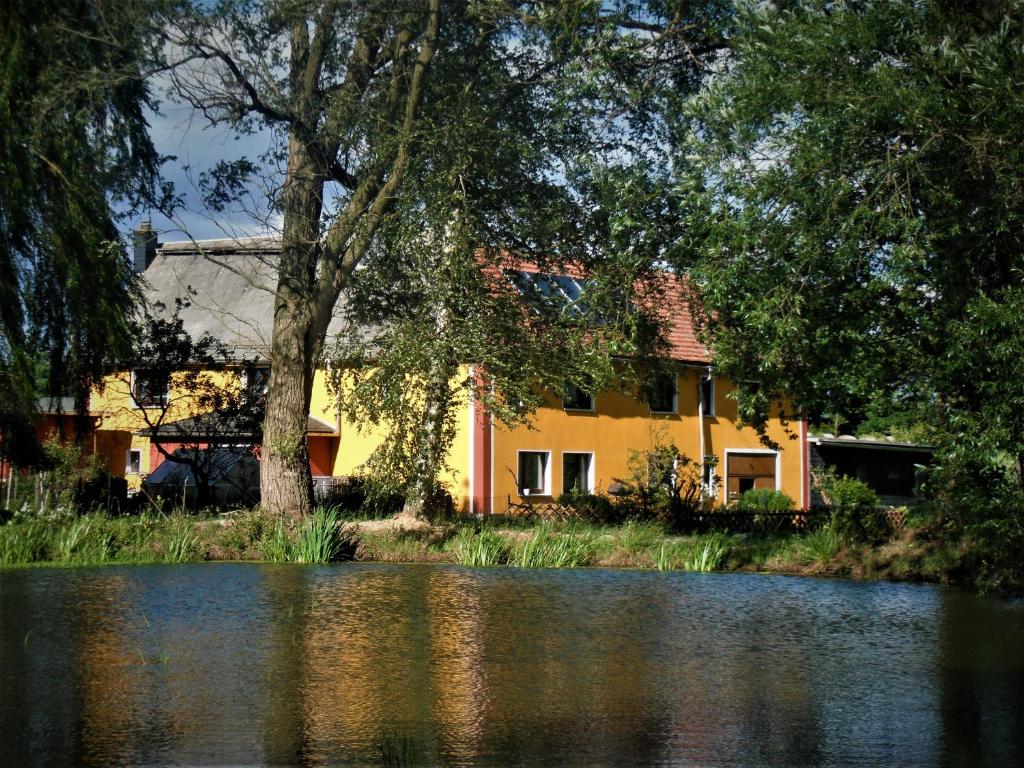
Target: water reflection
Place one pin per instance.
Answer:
(232, 663)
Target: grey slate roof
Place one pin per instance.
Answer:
(229, 284)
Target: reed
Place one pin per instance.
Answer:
(707, 555)
(547, 549)
(22, 543)
(479, 549)
(180, 544)
(821, 544)
(278, 546)
(320, 540)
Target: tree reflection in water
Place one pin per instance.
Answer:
(283, 664)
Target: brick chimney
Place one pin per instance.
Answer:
(145, 245)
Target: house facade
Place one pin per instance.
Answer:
(574, 441)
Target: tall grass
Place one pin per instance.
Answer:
(548, 549)
(479, 549)
(278, 546)
(70, 540)
(23, 543)
(180, 544)
(707, 555)
(320, 540)
(822, 543)
(670, 555)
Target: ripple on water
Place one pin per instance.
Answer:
(242, 663)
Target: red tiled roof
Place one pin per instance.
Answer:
(674, 299)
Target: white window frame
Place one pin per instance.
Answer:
(572, 409)
(590, 469)
(675, 399)
(160, 405)
(128, 461)
(546, 490)
(710, 380)
(758, 451)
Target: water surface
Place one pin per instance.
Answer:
(250, 664)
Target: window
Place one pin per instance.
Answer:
(576, 475)
(575, 399)
(662, 395)
(150, 388)
(750, 471)
(256, 380)
(707, 395)
(133, 461)
(533, 474)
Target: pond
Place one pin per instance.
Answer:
(284, 664)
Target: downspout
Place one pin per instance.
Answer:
(700, 423)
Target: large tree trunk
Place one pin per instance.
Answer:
(286, 485)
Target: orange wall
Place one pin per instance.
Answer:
(621, 423)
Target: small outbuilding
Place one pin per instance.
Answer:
(890, 467)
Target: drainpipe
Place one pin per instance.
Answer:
(700, 422)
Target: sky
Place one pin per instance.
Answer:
(196, 147)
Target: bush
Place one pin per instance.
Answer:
(856, 516)
(764, 500)
(664, 485)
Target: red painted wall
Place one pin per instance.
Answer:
(322, 451)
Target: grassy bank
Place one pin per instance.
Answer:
(914, 553)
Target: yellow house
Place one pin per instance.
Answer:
(574, 441)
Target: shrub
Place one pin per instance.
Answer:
(664, 485)
(765, 500)
(856, 516)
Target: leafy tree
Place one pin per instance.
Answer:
(73, 140)
(353, 93)
(855, 194)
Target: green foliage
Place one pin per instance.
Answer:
(278, 546)
(765, 500)
(854, 185)
(23, 542)
(664, 485)
(74, 141)
(320, 539)
(479, 548)
(822, 543)
(180, 543)
(546, 548)
(707, 554)
(856, 516)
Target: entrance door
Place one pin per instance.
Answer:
(749, 471)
